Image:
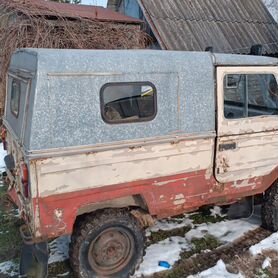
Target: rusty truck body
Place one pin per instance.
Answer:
(101, 143)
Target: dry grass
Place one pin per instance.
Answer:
(251, 266)
(22, 25)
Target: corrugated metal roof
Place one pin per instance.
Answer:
(226, 25)
(76, 11)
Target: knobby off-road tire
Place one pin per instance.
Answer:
(270, 209)
(109, 243)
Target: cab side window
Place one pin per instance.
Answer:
(15, 97)
(250, 95)
(128, 102)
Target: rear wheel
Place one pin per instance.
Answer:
(270, 209)
(107, 244)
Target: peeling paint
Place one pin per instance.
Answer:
(58, 213)
(169, 182)
(111, 167)
(244, 183)
(179, 199)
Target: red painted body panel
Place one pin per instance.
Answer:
(167, 196)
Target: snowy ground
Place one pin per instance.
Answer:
(218, 271)
(170, 248)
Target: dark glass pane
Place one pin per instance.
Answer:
(15, 97)
(130, 102)
(250, 95)
(234, 96)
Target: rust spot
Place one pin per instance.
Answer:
(218, 187)
(135, 147)
(179, 199)
(176, 142)
(224, 162)
(90, 153)
(145, 219)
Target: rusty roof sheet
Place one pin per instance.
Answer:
(49, 8)
(228, 26)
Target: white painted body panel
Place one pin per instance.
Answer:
(62, 174)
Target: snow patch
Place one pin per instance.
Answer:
(3, 153)
(218, 271)
(167, 250)
(63, 275)
(9, 268)
(217, 211)
(59, 249)
(266, 263)
(270, 243)
(170, 224)
(225, 231)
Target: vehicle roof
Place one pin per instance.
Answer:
(239, 60)
(80, 58)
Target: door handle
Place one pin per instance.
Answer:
(227, 146)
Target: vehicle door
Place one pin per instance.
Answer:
(247, 142)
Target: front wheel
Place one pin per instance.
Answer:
(270, 209)
(107, 244)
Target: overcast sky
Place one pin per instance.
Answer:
(95, 2)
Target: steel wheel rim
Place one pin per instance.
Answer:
(111, 250)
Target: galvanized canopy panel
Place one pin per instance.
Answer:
(66, 99)
(64, 104)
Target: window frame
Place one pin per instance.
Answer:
(16, 80)
(140, 83)
(245, 105)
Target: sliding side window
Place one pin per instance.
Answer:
(128, 102)
(250, 95)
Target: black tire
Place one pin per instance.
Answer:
(109, 243)
(270, 209)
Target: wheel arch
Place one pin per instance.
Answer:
(134, 203)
